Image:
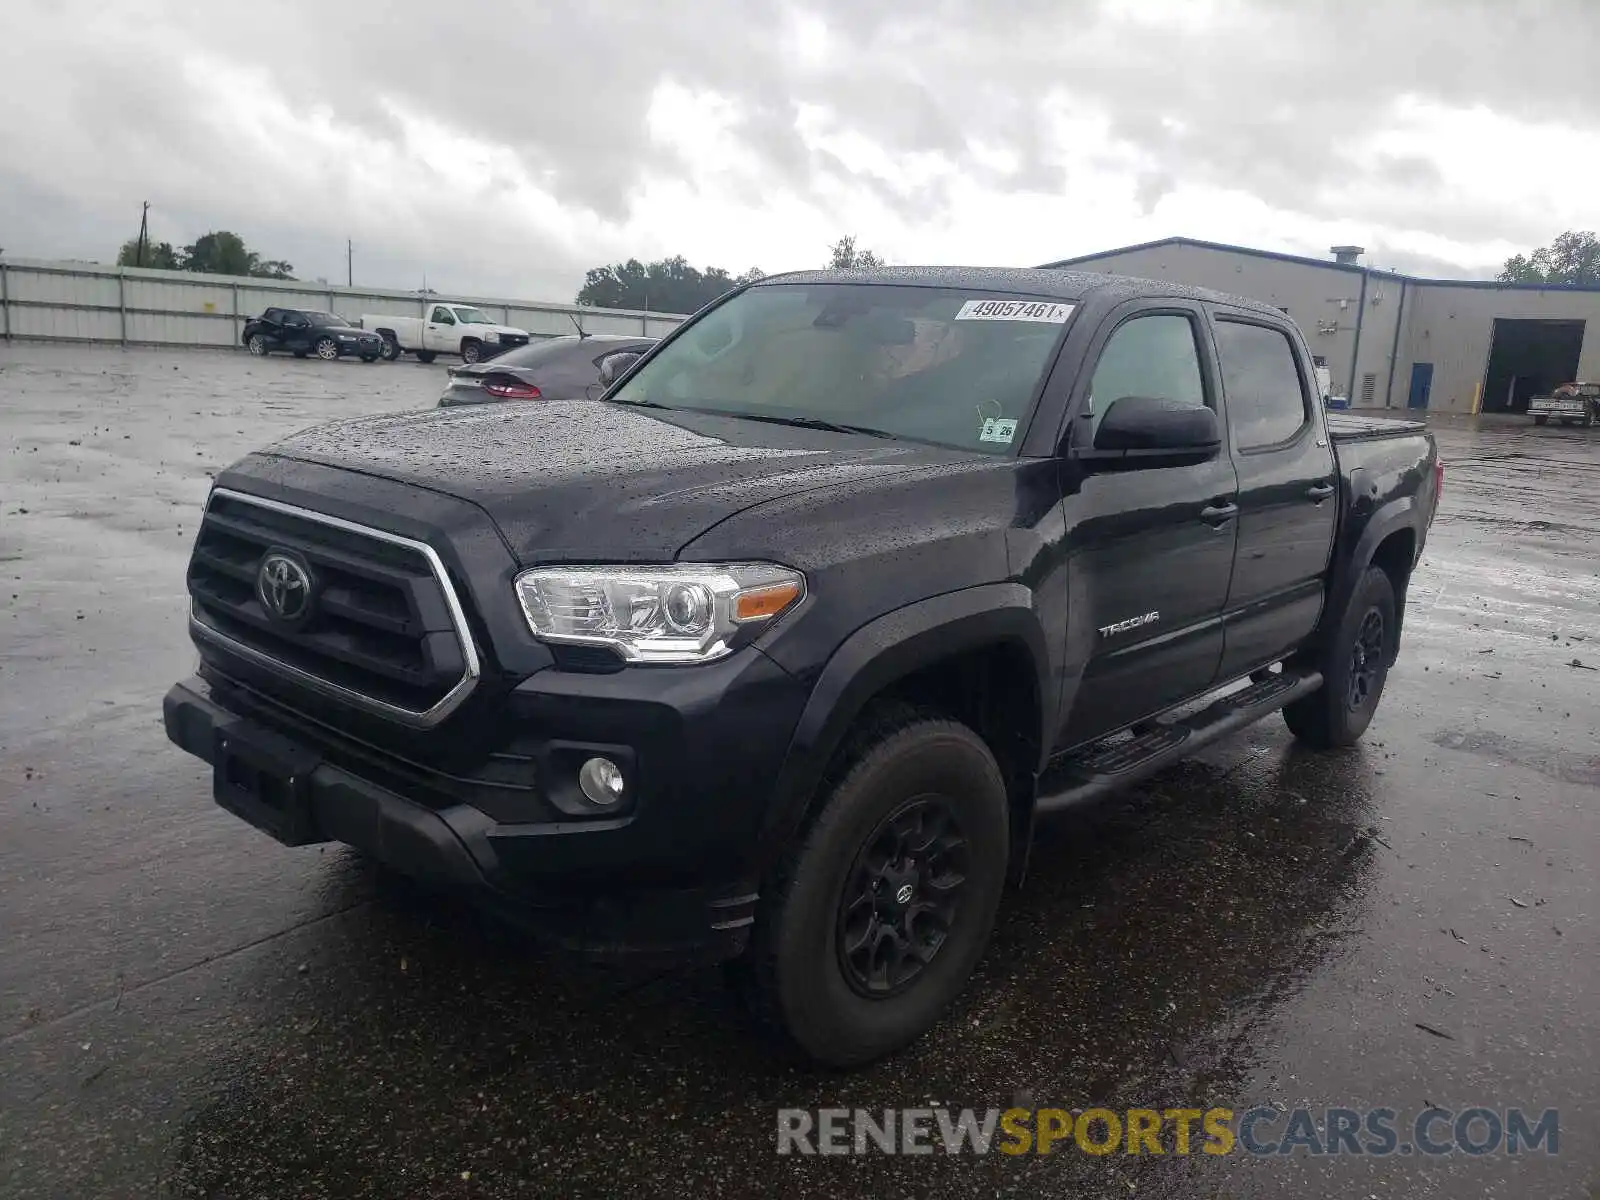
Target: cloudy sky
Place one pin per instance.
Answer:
(502, 148)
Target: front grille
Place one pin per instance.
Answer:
(510, 341)
(385, 630)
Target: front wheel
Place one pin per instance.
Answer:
(257, 345)
(327, 349)
(872, 926)
(426, 356)
(1354, 669)
(471, 351)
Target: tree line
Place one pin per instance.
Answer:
(672, 285)
(219, 252)
(1574, 257)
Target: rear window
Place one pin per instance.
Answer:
(542, 354)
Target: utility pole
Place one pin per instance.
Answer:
(144, 236)
(349, 261)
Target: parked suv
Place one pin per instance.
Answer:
(303, 331)
(777, 652)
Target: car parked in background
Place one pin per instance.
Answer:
(446, 329)
(303, 331)
(558, 368)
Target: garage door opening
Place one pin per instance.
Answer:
(1527, 359)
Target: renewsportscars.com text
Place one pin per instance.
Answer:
(1260, 1131)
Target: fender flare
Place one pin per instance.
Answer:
(885, 650)
(1399, 513)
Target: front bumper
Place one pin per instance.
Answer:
(671, 879)
(361, 347)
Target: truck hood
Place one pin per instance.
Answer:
(503, 330)
(594, 481)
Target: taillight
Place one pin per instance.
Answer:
(1438, 487)
(507, 388)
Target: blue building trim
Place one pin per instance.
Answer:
(1324, 264)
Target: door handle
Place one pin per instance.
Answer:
(1218, 514)
(1320, 492)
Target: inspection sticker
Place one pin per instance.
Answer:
(1045, 312)
(997, 429)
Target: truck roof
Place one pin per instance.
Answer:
(1051, 284)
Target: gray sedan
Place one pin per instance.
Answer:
(558, 368)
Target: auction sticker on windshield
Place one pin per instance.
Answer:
(1043, 311)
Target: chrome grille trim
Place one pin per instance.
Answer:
(446, 705)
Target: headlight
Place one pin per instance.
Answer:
(685, 613)
(347, 337)
(491, 336)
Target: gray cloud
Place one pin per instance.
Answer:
(1273, 99)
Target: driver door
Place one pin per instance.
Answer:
(439, 334)
(1155, 543)
(296, 332)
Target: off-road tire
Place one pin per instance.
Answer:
(391, 348)
(1354, 668)
(796, 979)
(471, 351)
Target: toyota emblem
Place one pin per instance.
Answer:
(283, 585)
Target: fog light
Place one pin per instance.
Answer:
(600, 780)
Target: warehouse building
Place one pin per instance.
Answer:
(1390, 340)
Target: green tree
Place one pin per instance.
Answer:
(222, 252)
(159, 256)
(845, 256)
(1574, 257)
(668, 285)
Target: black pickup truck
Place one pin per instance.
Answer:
(775, 653)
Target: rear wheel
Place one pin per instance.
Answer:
(872, 926)
(426, 356)
(327, 349)
(1354, 669)
(257, 345)
(391, 348)
(1541, 419)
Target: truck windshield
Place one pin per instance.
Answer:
(471, 316)
(938, 365)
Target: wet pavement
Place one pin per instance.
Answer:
(188, 1009)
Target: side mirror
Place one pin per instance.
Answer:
(1141, 428)
(614, 366)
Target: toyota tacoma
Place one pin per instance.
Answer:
(776, 654)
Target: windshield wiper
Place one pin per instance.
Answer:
(804, 422)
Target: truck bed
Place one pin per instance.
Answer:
(1350, 427)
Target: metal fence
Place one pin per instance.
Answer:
(87, 302)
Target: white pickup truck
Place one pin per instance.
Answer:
(447, 329)
(1569, 404)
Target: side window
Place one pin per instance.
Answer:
(1147, 356)
(1261, 378)
(441, 316)
(272, 315)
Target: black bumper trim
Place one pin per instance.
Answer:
(453, 847)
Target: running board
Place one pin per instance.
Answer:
(1109, 766)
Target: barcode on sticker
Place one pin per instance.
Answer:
(1044, 311)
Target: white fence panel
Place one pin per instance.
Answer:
(75, 325)
(87, 301)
